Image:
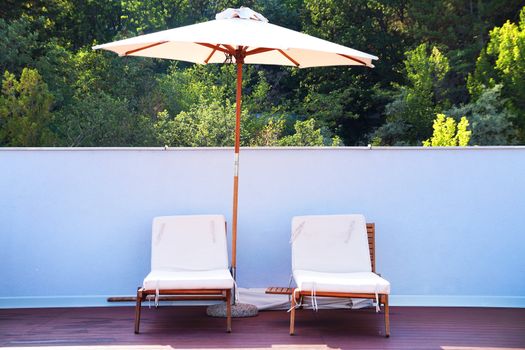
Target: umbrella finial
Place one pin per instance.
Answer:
(242, 13)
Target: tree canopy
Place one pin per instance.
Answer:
(460, 58)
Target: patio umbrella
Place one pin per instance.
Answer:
(242, 36)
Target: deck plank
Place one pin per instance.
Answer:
(189, 327)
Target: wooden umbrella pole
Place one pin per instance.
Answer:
(236, 168)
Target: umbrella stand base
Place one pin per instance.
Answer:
(238, 310)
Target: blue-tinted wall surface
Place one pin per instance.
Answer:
(75, 224)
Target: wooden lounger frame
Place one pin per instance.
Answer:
(383, 298)
(186, 294)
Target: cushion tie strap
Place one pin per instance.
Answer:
(157, 293)
(296, 304)
(378, 307)
(236, 289)
(315, 307)
(349, 232)
(158, 236)
(296, 232)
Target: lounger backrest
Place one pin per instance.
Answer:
(193, 242)
(330, 243)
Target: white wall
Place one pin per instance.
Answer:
(75, 223)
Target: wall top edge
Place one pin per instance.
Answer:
(200, 149)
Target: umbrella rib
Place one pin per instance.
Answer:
(353, 59)
(230, 48)
(144, 48)
(216, 47)
(288, 57)
(258, 50)
(211, 54)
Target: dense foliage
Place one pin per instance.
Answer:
(461, 58)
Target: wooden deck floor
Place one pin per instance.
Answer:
(189, 328)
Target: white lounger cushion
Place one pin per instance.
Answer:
(189, 252)
(353, 282)
(330, 243)
(211, 279)
(191, 242)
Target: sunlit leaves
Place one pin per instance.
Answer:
(447, 132)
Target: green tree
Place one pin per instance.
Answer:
(100, 120)
(306, 134)
(127, 78)
(153, 15)
(73, 23)
(57, 67)
(491, 121)
(148, 16)
(270, 134)
(449, 133)
(18, 45)
(347, 100)
(182, 89)
(25, 111)
(203, 125)
(399, 98)
(460, 27)
(410, 115)
(503, 62)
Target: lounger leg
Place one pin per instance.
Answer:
(387, 320)
(292, 314)
(137, 309)
(229, 311)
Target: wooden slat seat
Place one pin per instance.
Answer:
(279, 290)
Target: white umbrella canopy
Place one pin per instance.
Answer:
(246, 37)
(240, 31)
